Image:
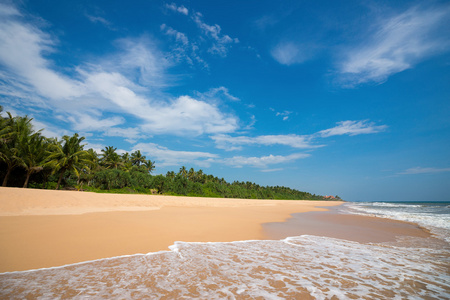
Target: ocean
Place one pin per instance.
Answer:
(300, 267)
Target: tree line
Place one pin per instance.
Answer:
(29, 159)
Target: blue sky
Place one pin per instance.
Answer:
(330, 97)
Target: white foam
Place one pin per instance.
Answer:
(423, 215)
(292, 268)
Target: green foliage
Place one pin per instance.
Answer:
(53, 163)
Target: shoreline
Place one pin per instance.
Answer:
(335, 224)
(42, 228)
(47, 229)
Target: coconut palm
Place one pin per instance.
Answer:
(15, 130)
(137, 158)
(183, 172)
(126, 162)
(149, 165)
(33, 153)
(191, 174)
(110, 159)
(67, 155)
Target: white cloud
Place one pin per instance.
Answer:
(352, 128)
(288, 53)
(217, 92)
(166, 157)
(183, 48)
(420, 170)
(180, 9)
(132, 134)
(284, 114)
(398, 43)
(221, 42)
(187, 115)
(48, 130)
(125, 84)
(101, 20)
(264, 161)
(229, 143)
(22, 50)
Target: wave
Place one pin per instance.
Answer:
(296, 267)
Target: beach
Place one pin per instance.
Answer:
(137, 246)
(42, 228)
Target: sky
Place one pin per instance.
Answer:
(348, 98)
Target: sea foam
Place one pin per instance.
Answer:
(296, 267)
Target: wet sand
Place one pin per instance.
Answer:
(331, 223)
(42, 228)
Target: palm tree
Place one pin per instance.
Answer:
(191, 174)
(67, 155)
(137, 158)
(110, 158)
(170, 174)
(200, 176)
(126, 162)
(183, 172)
(149, 165)
(14, 130)
(33, 152)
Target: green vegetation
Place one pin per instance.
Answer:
(29, 159)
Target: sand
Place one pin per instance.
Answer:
(43, 228)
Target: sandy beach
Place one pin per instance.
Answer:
(179, 247)
(43, 228)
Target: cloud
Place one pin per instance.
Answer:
(264, 161)
(289, 53)
(101, 20)
(229, 143)
(183, 49)
(221, 91)
(180, 9)
(221, 42)
(132, 134)
(126, 84)
(48, 130)
(396, 45)
(420, 170)
(352, 128)
(284, 114)
(166, 157)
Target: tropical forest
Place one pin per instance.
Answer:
(29, 159)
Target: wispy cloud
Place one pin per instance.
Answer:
(127, 83)
(219, 92)
(420, 170)
(288, 53)
(100, 20)
(263, 161)
(285, 114)
(229, 143)
(352, 128)
(180, 9)
(397, 44)
(221, 42)
(167, 157)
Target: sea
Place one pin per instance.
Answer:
(299, 267)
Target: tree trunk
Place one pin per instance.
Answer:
(25, 185)
(60, 178)
(5, 180)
